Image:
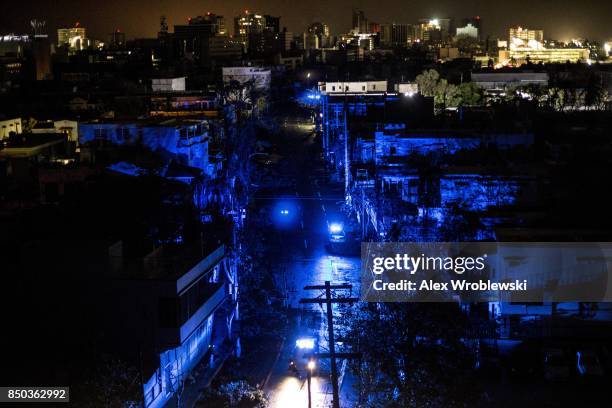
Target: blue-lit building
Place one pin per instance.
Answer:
(353, 109)
(190, 295)
(185, 141)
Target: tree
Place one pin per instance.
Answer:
(469, 93)
(113, 383)
(467, 44)
(447, 95)
(413, 355)
(428, 82)
(236, 394)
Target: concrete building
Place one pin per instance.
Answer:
(261, 77)
(505, 80)
(525, 34)
(205, 38)
(70, 128)
(331, 88)
(184, 141)
(168, 84)
(521, 55)
(186, 291)
(317, 33)
(8, 126)
(468, 31)
(396, 35)
(259, 34)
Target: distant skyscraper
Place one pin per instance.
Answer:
(360, 22)
(433, 30)
(203, 37)
(475, 21)
(41, 50)
(468, 31)
(396, 35)
(258, 33)
(116, 39)
(321, 32)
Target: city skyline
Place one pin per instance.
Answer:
(559, 20)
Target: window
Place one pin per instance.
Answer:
(197, 295)
(123, 134)
(100, 133)
(363, 88)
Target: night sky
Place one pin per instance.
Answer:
(560, 19)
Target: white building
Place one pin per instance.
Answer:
(468, 31)
(353, 87)
(261, 77)
(8, 126)
(70, 128)
(168, 84)
(407, 89)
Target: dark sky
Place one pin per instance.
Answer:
(560, 19)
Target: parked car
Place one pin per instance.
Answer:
(588, 364)
(556, 366)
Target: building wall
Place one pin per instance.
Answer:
(168, 84)
(354, 87)
(261, 76)
(186, 143)
(545, 55)
(8, 126)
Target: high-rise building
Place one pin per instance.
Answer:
(286, 40)
(475, 21)
(259, 34)
(395, 35)
(468, 31)
(321, 32)
(360, 22)
(204, 37)
(433, 30)
(116, 39)
(74, 38)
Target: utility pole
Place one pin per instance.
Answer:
(332, 355)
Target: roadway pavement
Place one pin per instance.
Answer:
(304, 260)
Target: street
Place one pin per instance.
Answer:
(306, 261)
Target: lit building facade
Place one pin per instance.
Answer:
(525, 34)
(468, 31)
(74, 38)
(544, 55)
(257, 33)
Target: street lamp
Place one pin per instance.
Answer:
(311, 366)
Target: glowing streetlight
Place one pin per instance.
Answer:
(311, 366)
